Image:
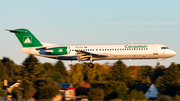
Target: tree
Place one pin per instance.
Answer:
(76, 74)
(121, 73)
(43, 87)
(170, 81)
(3, 74)
(96, 94)
(17, 94)
(9, 65)
(48, 69)
(145, 74)
(133, 94)
(158, 71)
(176, 98)
(30, 61)
(134, 71)
(113, 90)
(3, 93)
(158, 81)
(121, 90)
(137, 95)
(141, 96)
(48, 91)
(28, 89)
(164, 98)
(102, 73)
(57, 77)
(32, 68)
(18, 72)
(59, 67)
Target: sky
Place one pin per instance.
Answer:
(91, 22)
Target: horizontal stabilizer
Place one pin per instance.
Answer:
(15, 31)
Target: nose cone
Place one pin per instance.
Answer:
(170, 53)
(173, 53)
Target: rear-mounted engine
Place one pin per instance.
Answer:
(57, 51)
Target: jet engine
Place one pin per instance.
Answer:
(57, 51)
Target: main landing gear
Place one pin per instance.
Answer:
(91, 65)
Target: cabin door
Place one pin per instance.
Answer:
(155, 51)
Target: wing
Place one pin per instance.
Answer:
(83, 55)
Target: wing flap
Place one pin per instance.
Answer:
(82, 55)
(92, 54)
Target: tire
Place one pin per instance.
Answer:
(91, 65)
(158, 63)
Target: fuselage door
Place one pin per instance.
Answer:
(155, 51)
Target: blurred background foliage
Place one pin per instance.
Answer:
(40, 80)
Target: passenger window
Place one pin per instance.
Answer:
(102, 49)
(99, 49)
(96, 49)
(122, 49)
(117, 49)
(112, 49)
(107, 49)
(92, 49)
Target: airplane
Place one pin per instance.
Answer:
(32, 45)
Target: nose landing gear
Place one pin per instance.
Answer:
(158, 63)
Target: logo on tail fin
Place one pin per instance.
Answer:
(27, 39)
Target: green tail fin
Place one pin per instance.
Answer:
(26, 38)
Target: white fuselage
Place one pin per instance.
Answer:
(111, 51)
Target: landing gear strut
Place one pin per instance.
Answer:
(91, 65)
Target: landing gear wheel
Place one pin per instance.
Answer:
(158, 63)
(91, 65)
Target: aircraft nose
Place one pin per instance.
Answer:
(173, 53)
(170, 53)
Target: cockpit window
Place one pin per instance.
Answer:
(164, 48)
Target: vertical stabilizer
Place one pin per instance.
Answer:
(26, 38)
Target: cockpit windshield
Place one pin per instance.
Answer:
(164, 48)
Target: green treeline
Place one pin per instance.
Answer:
(103, 82)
